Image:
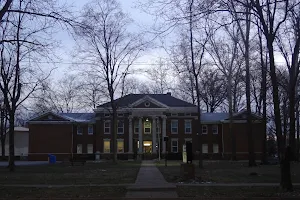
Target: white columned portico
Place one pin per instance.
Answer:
(164, 133)
(130, 136)
(153, 134)
(140, 135)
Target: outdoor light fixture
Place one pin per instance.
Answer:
(147, 119)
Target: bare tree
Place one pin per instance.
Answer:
(225, 55)
(213, 89)
(106, 44)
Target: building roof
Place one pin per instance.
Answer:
(79, 117)
(213, 117)
(21, 129)
(165, 99)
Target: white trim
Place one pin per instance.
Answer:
(150, 99)
(120, 133)
(174, 139)
(109, 121)
(174, 120)
(188, 120)
(52, 113)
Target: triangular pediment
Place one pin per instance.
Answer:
(147, 102)
(50, 116)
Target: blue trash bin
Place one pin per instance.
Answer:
(53, 159)
(49, 158)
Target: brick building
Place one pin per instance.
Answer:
(142, 119)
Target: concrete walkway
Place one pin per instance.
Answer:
(150, 183)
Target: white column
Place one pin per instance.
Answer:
(164, 133)
(154, 135)
(130, 136)
(140, 135)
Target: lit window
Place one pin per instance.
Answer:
(107, 127)
(188, 126)
(147, 127)
(120, 144)
(79, 130)
(204, 148)
(215, 148)
(215, 129)
(90, 130)
(79, 148)
(174, 145)
(90, 149)
(204, 129)
(136, 127)
(106, 146)
(174, 126)
(120, 127)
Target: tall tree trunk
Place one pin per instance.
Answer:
(3, 134)
(196, 82)
(298, 124)
(231, 132)
(292, 94)
(115, 134)
(11, 161)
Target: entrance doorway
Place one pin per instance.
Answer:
(147, 147)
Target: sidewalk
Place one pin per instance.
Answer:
(150, 183)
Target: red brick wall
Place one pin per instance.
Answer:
(49, 138)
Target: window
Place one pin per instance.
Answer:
(147, 127)
(120, 115)
(106, 146)
(90, 149)
(187, 114)
(120, 144)
(174, 114)
(215, 129)
(120, 127)
(90, 130)
(174, 145)
(174, 126)
(79, 148)
(204, 129)
(204, 148)
(79, 130)
(107, 127)
(136, 127)
(215, 148)
(188, 126)
(106, 115)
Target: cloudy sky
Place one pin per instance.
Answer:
(141, 21)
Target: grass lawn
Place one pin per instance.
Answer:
(229, 172)
(66, 192)
(91, 173)
(235, 192)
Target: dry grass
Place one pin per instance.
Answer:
(91, 173)
(230, 172)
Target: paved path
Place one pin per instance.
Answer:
(24, 163)
(150, 183)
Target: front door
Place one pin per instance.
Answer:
(147, 149)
